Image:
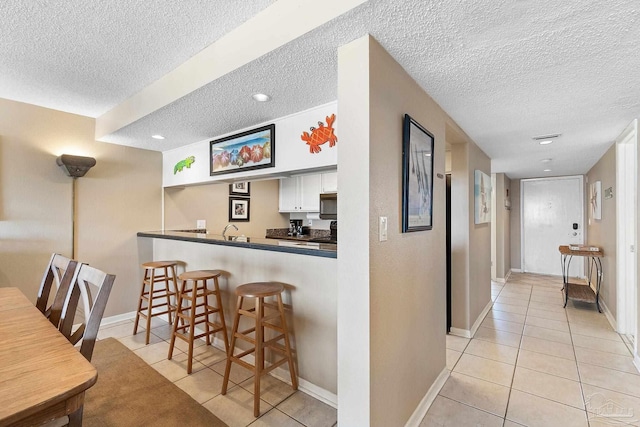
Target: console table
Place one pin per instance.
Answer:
(582, 291)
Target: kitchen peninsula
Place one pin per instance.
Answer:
(308, 271)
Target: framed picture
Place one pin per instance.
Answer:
(238, 209)
(417, 176)
(240, 188)
(482, 197)
(595, 197)
(253, 149)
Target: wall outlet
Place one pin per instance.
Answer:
(201, 224)
(382, 229)
(309, 222)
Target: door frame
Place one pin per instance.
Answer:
(626, 220)
(522, 196)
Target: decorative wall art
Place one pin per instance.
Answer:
(186, 163)
(238, 209)
(253, 149)
(320, 135)
(240, 188)
(595, 196)
(482, 197)
(417, 176)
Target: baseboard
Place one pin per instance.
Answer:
(506, 278)
(636, 361)
(106, 321)
(424, 405)
(516, 270)
(464, 333)
(608, 315)
(499, 280)
(469, 333)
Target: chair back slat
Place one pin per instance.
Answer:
(59, 273)
(93, 287)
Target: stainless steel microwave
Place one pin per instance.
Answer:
(329, 206)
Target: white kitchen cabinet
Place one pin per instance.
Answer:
(330, 182)
(300, 193)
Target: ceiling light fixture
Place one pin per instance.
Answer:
(157, 136)
(547, 170)
(545, 160)
(546, 139)
(261, 97)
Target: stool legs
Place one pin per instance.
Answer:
(189, 317)
(259, 345)
(150, 279)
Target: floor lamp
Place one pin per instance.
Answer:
(75, 167)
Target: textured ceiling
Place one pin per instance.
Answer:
(505, 71)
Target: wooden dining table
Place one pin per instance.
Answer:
(42, 376)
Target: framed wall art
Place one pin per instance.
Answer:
(482, 197)
(417, 176)
(253, 149)
(239, 209)
(242, 188)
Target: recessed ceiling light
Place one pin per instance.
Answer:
(261, 97)
(545, 160)
(547, 170)
(546, 141)
(157, 136)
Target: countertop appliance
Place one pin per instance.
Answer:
(333, 236)
(329, 206)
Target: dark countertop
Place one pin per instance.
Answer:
(297, 246)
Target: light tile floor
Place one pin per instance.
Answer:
(534, 363)
(280, 405)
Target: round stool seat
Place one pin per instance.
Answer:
(158, 264)
(259, 289)
(199, 274)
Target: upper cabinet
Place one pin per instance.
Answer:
(300, 193)
(329, 182)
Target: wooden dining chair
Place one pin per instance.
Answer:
(92, 287)
(59, 273)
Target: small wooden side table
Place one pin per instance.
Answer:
(582, 291)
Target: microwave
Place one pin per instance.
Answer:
(329, 206)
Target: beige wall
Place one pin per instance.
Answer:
(503, 226)
(516, 261)
(603, 232)
(185, 205)
(403, 289)
(470, 243)
(117, 198)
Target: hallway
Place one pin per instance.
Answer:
(533, 363)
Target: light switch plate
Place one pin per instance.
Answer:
(201, 224)
(382, 228)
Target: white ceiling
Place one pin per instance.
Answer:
(505, 71)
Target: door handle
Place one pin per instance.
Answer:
(574, 234)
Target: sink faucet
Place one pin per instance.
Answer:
(227, 227)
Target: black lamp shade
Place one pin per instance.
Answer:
(75, 166)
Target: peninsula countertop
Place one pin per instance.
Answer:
(326, 250)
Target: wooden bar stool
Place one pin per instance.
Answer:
(194, 286)
(162, 294)
(260, 291)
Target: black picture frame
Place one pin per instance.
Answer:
(239, 209)
(240, 188)
(417, 176)
(253, 149)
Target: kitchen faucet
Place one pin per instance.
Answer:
(227, 227)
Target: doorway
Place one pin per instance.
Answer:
(626, 226)
(552, 215)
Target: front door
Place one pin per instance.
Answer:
(552, 215)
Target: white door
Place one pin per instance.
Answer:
(626, 225)
(552, 215)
